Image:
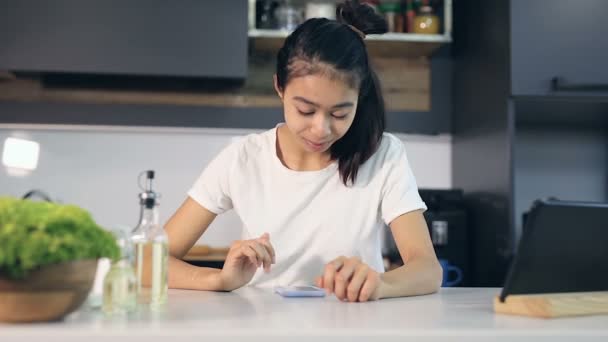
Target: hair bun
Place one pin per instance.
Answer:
(361, 16)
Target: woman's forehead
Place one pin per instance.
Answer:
(320, 90)
(301, 67)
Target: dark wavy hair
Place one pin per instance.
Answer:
(336, 47)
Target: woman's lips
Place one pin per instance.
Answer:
(315, 146)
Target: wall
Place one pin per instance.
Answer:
(569, 164)
(97, 168)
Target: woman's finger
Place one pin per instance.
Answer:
(340, 285)
(348, 269)
(329, 273)
(262, 254)
(372, 281)
(319, 282)
(343, 278)
(355, 284)
(265, 241)
(250, 254)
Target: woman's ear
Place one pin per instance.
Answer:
(276, 86)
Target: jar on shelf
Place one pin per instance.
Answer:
(265, 17)
(392, 11)
(426, 22)
(320, 9)
(289, 16)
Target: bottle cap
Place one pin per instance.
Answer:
(148, 197)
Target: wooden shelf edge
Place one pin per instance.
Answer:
(31, 91)
(387, 37)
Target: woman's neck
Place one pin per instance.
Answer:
(294, 157)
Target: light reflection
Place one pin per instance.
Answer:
(20, 156)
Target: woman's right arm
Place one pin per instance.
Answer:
(184, 228)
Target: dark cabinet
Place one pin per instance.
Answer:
(140, 37)
(559, 47)
(530, 115)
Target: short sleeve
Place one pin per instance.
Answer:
(400, 191)
(212, 188)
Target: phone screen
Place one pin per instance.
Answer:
(300, 291)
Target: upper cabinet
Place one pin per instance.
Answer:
(138, 37)
(559, 48)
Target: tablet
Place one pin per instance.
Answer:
(563, 248)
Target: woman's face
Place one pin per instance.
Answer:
(318, 110)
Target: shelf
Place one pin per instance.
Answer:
(387, 37)
(404, 45)
(572, 113)
(406, 82)
(395, 46)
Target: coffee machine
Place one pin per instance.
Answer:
(447, 221)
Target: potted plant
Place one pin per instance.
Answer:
(48, 258)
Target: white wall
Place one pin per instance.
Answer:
(97, 168)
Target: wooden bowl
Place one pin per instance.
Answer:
(47, 294)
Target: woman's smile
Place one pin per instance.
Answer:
(316, 146)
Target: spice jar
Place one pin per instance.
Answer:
(426, 22)
(393, 14)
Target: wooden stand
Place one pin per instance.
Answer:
(552, 305)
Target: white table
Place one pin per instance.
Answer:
(251, 314)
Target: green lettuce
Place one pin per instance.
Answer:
(34, 234)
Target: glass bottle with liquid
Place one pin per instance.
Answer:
(119, 284)
(426, 22)
(151, 248)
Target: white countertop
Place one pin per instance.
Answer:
(252, 314)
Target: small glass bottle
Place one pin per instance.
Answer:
(119, 284)
(151, 246)
(392, 12)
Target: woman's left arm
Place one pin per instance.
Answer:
(421, 273)
(352, 280)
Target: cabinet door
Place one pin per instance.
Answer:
(559, 47)
(145, 37)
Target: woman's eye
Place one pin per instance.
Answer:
(304, 112)
(340, 116)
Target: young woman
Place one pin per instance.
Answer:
(315, 192)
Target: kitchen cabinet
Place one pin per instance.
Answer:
(515, 138)
(151, 63)
(559, 48)
(142, 37)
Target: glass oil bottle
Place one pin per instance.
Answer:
(151, 251)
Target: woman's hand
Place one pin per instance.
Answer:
(350, 280)
(243, 259)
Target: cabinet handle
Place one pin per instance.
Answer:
(559, 84)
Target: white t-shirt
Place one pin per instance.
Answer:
(312, 217)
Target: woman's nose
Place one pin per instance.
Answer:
(321, 125)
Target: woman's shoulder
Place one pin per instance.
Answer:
(391, 147)
(252, 145)
(389, 155)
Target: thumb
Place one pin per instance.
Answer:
(265, 236)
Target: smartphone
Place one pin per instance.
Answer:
(300, 291)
